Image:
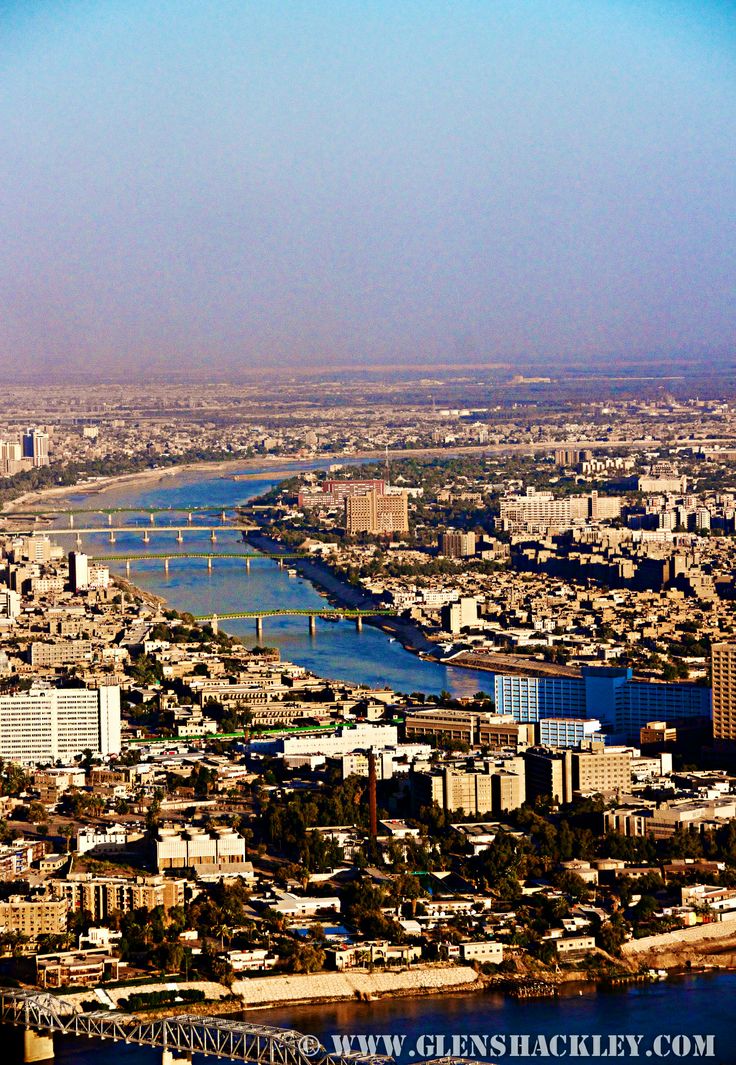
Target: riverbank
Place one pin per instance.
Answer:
(704, 946)
(513, 665)
(266, 992)
(271, 991)
(408, 633)
(149, 598)
(138, 479)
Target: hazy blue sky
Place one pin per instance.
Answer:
(247, 184)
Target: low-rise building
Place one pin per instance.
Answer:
(214, 851)
(86, 968)
(482, 951)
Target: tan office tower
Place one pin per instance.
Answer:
(377, 514)
(723, 662)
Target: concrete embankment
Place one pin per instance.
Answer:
(212, 991)
(706, 944)
(262, 991)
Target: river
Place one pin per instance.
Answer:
(336, 651)
(701, 1005)
(667, 1016)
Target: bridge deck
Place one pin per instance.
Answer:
(171, 555)
(314, 612)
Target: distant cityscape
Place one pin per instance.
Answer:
(180, 805)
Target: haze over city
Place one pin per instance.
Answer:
(232, 187)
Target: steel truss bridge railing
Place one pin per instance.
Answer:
(181, 1035)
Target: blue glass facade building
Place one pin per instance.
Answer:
(610, 694)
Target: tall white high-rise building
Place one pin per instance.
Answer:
(78, 571)
(44, 725)
(10, 603)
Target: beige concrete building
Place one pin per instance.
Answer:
(548, 774)
(496, 790)
(219, 850)
(601, 771)
(455, 544)
(723, 663)
(474, 727)
(377, 514)
(101, 896)
(34, 917)
(61, 653)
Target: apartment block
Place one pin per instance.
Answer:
(34, 917)
(17, 858)
(457, 544)
(723, 663)
(548, 775)
(496, 790)
(103, 895)
(51, 724)
(601, 771)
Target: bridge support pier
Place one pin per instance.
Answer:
(359, 624)
(127, 567)
(79, 540)
(175, 1057)
(109, 519)
(223, 517)
(247, 565)
(179, 537)
(112, 537)
(209, 564)
(152, 518)
(146, 537)
(190, 518)
(71, 521)
(37, 1046)
(214, 625)
(213, 537)
(312, 625)
(166, 565)
(259, 628)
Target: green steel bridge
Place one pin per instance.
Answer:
(313, 612)
(208, 556)
(163, 556)
(327, 613)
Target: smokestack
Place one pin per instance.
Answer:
(372, 794)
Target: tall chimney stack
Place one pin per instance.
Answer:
(372, 805)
